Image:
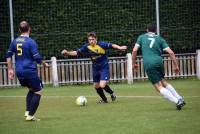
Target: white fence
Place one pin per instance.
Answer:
(75, 71)
(79, 71)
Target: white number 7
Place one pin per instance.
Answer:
(152, 42)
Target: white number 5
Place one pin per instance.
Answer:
(152, 42)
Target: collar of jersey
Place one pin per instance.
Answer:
(24, 35)
(151, 33)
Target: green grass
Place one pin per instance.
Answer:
(129, 115)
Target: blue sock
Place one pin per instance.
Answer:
(28, 100)
(34, 104)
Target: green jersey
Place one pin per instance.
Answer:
(152, 46)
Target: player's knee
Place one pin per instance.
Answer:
(158, 86)
(39, 93)
(164, 83)
(96, 85)
(102, 85)
(30, 89)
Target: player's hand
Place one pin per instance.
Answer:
(45, 64)
(176, 70)
(11, 74)
(136, 67)
(64, 52)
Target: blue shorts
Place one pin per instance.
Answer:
(34, 84)
(101, 73)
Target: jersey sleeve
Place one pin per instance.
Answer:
(105, 45)
(83, 50)
(139, 41)
(10, 50)
(35, 53)
(164, 44)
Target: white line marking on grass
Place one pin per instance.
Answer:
(95, 96)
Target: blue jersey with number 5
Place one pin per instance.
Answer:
(26, 54)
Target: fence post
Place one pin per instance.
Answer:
(198, 64)
(54, 71)
(129, 68)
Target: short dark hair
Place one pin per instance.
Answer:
(24, 27)
(92, 34)
(151, 27)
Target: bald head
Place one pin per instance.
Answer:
(24, 27)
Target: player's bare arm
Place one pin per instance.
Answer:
(10, 69)
(122, 48)
(173, 57)
(134, 54)
(69, 53)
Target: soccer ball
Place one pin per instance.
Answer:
(81, 101)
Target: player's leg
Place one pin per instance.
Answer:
(155, 75)
(106, 87)
(104, 78)
(174, 92)
(37, 86)
(170, 88)
(168, 95)
(29, 95)
(34, 105)
(165, 93)
(100, 92)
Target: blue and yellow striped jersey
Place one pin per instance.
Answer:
(96, 52)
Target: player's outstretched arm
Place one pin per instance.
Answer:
(121, 48)
(69, 53)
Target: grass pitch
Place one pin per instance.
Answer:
(138, 110)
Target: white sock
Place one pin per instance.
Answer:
(168, 95)
(26, 113)
(173, 91)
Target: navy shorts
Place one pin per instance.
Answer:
(34, 84)
(101, 73)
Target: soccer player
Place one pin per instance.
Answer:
(26, 54)
(96, 50)
(152, 47)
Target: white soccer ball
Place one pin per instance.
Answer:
(81, 101)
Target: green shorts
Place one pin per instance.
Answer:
(155, 73)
